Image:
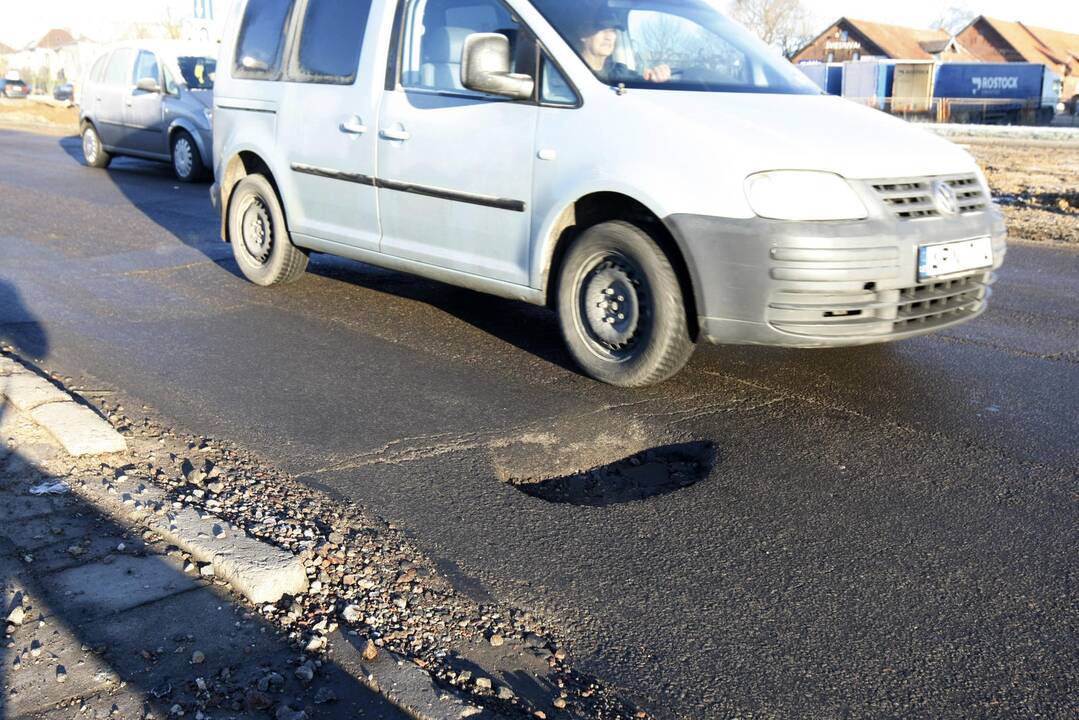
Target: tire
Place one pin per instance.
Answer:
(260, 238)
(93, 152)
(621, 309)
(186, 160)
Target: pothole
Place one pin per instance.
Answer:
(647, 474)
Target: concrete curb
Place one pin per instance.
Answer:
(260, 572)
(403, 683)
(76, 427)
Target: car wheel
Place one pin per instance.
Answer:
(621, 309)
(93, 152)
(186, 160)
(260, 239)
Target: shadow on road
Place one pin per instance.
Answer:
(185, 212)
(100, 608)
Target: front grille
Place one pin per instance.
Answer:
(878, 312)
(913, 199)
(940, 302)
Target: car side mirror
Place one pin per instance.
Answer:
(148, 85)
(485, 67)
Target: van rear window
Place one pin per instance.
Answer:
(331, 40)
(261, 42)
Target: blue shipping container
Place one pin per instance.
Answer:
(835, 80)
(994, 81)
(828, 78)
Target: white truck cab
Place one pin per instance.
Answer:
(647, 168)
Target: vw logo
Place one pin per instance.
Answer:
(945, 199)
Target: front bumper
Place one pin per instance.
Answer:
(835, 284)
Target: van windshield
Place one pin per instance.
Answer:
(671, 45)
(198, 72)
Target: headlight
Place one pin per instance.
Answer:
(803, 195)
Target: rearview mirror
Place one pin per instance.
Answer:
(148, 85)
(485, 67)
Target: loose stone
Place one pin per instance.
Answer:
(16, 616)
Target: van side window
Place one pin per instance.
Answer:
(261, 41)
(331, 40)
(434, 41)
(146, 67)
(119, 69)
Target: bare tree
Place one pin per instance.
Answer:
(664, 39)
(782, 23)
(954, 19)
(172, 25)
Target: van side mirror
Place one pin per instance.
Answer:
(148, 85)
(485, 67)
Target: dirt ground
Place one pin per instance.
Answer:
(1036, 183)
(1038, 187)
(38, 116)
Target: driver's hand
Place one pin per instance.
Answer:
(658, 74)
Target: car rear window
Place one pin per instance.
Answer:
(261, 41)
(98, 72)
(331, 40)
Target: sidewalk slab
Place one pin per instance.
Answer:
(34, 683)
(93, 548)
(79, 429)
(19, 505)
(27, 391)
(39, 532)
(101, 589)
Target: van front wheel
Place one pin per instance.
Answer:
(621, 309)
(260, 239)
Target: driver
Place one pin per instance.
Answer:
(599, 38)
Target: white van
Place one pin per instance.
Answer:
(647, 168)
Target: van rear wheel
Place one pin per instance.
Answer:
(260, 238)
(621, 309)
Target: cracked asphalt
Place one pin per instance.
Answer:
(882, 531)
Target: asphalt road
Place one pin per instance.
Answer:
(882, 531)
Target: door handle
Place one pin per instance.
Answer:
(354, 126)
(398, 134)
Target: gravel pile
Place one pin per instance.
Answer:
(365, 577)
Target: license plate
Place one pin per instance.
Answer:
(938, 261)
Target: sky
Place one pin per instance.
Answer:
(27, 20)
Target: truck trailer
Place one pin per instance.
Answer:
(998, 93)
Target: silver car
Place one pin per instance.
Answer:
(151, 100)
(646, 168)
